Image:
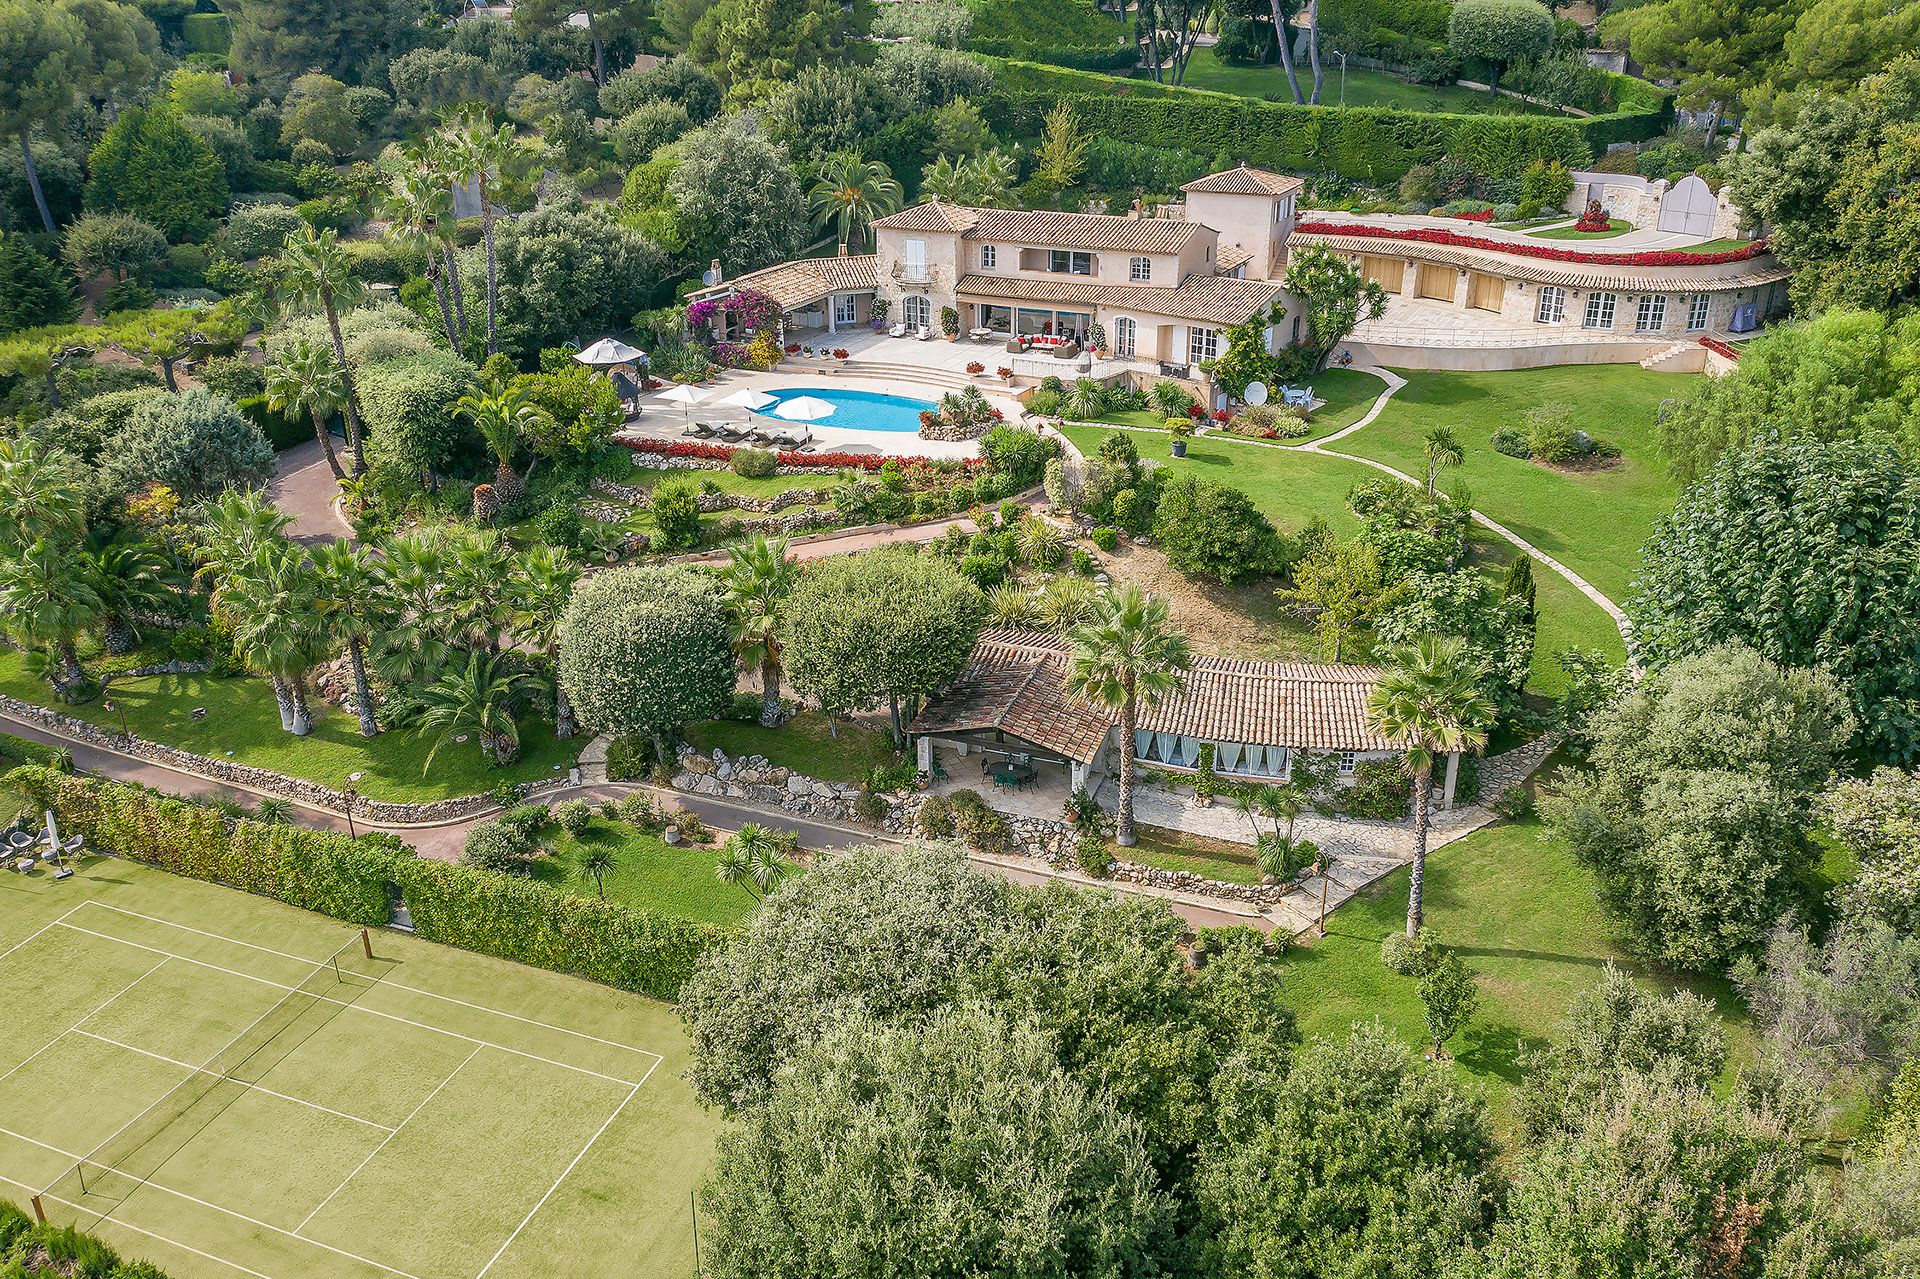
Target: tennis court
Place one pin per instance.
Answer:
(232, 1087)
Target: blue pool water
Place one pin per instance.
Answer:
(855, 410)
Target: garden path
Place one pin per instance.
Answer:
(303, 488)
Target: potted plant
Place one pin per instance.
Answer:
(1180, 428)
(976, 368)
(1004, 374)
(950, 323)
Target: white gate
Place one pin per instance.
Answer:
(1688, 208)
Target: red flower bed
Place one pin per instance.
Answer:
(1478, 215)
(1220, 415)
(1720, 348)
(1439, 235)
(1195, 412)
(821, 461)
(1003, 373)
(976, 368)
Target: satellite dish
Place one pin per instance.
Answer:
(709, 277)
(1256, 393)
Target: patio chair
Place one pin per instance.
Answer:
(898, 330)
(926, 334)
(940, 773)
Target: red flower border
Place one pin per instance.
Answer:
(1440, 235)
(822, 461)
(1720, 348)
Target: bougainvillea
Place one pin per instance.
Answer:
(754, 309)
(1439, 235)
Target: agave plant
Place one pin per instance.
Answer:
(1068, 602)
(1012, 606)
(1086, 400)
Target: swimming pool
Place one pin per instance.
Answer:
(855, 410)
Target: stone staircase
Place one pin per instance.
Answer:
(1677, 357)
(937, 379)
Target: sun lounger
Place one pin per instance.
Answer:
(698, 431)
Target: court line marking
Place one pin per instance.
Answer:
(391, 1134)
(202, 1070)
(371, 1012)
(86, 1018)
(127, 1225)
(36, 932)
(397, 985)
(181, 1194)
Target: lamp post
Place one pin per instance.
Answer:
(1343, 78)
(108, 705)
(351, 795)
(1320, 868)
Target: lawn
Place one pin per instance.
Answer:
(1564, 618)
(647, 872)
(1523, 915)
(802, 744)
(1363, 88)
(1594, 521)
(1176, 850)
(425, 1112)
(1718, 246)
(242, 723)
(1615, 226)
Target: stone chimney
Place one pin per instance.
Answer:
(714, 266)
(843, 248)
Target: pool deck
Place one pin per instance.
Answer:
(663, 419)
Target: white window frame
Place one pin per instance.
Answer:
(917, 311)
(1553, 305)
(1140, 270)
(1076, 261)
(1600, 311)
(1651, 316)
(989, 257)
(1697, 308)
(1202, 344)
(1126, 336)
(914, 257)
(846, 309)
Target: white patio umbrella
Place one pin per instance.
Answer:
(684, 395)
(805, 408)
(748, 398)
(609, 351)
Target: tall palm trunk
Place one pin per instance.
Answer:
(53, 386)
(1123, 819)
(564, 723)
(326, 445)
(1283, 33)
(71, 672)
(284, 700)
(769, 693)
(302, 713)
(33, 180)
(362, 690)
(118, 635)
(459, 294)
(346, 376)
(486, 236)
(1417, 876)
(1313, 47)
(438, 280)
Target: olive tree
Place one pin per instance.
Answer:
(885, 625)
(645, 650)
(197, 444)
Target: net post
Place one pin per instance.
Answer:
(366, 942)
(39, 1213)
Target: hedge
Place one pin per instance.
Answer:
(61, 1250)
(58, 758)
(1369, 144)
(488, 913)
(207, 32)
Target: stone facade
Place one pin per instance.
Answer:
(265, 780)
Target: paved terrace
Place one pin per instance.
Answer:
(1638, 240)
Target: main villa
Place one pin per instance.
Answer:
(1153, 293)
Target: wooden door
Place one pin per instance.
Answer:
(1389, 273)
(1485, 292)
(1438, 282)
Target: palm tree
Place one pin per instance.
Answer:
(479, 695)
(1430, 703)
(41, 494)
(127, 578)
(754, 857)
(418, 206)
(440, 158)
(305, 378)
(757, 579)
(1125, 659)
(479, 566)
(419, 638)
(270, 600)
(46, 598)
(595, 863)
(316, 275)
(353, 604)
(504, 416)
(234, 526)
(479, 149)
(539, 592)
(1443, 450)
(853, 192)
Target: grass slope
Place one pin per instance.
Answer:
(242, 723)
(802, 744)
(1593, 521)
(647, 873)
(1363, 89)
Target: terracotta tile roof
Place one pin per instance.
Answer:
(1048, 228)
(934, 215)
(1626, 279)
(1016, 682)
(804, 280)
(1207, 299)
(1230, 258)
(1244, 181)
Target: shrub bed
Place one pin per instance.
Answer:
(807, 461)
(478, 910)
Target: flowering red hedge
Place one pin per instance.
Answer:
(1720, 348)
(1440, 235)
(824, 461)
(1478, 215)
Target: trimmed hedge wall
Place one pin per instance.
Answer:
(1368, 144)
(477, 910)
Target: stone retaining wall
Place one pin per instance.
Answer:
(299, 790)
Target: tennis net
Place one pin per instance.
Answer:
(129, 1158)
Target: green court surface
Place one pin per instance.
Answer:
(231, 1087)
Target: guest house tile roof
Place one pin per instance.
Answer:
(1016, 682)
(1206, 299)
(1244, 181)
(1047, 228)
(1231, 259)
(805, 280)
(1625, 279)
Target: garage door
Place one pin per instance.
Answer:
(1438, 282)
(1484, 292)
(1389, 273)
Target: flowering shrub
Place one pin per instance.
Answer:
(1477, 215)
(1004, 374)
(839, 352)
(1220, 415)
(755, 310)
(1195, 412)
(1439, 235)
(702, 451)
(1593, 219)
(976, 368)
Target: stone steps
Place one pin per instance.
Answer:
(1678, 357)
